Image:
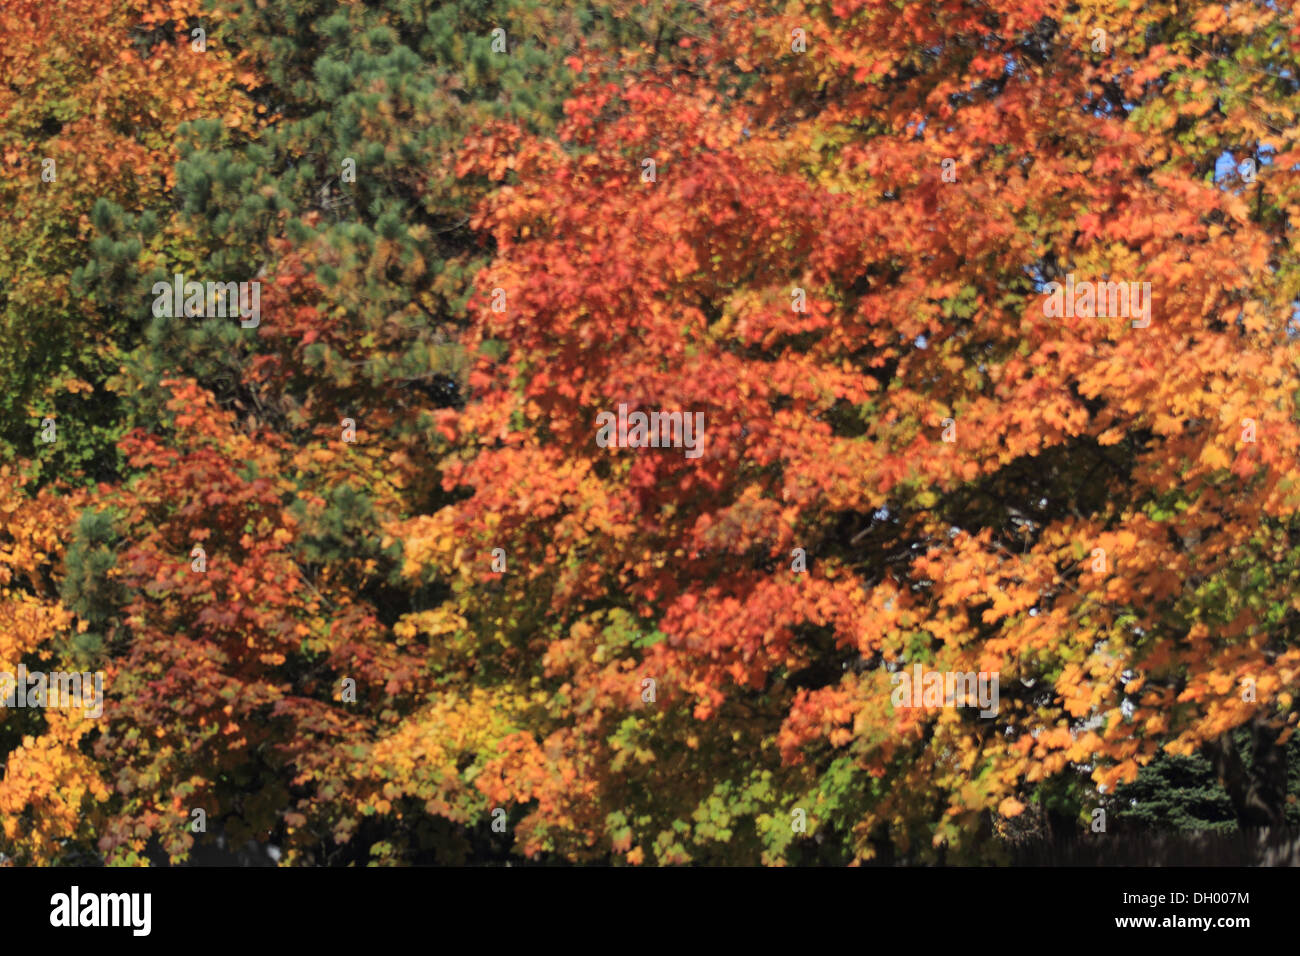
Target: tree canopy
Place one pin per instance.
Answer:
(984, 311)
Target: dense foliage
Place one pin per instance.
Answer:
(363, 583)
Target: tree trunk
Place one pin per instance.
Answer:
(1257, 791)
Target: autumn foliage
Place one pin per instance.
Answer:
(431, 602)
